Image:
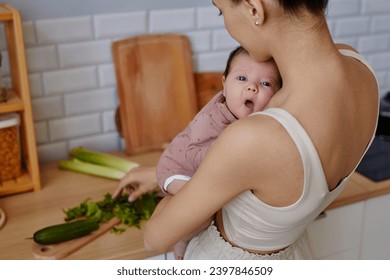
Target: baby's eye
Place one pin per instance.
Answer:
(266, 84)
(241, 78)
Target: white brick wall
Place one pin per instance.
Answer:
(126, 24)
(57, 31)
(72, 78)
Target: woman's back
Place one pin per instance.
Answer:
(338, 108)
(340, 116)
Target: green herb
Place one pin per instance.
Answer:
(130, 214)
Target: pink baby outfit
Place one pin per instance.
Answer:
(186, 151)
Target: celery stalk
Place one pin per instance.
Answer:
(103, 159)
(91, 169)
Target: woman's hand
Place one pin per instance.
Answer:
(137, 182)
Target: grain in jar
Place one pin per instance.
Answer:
(10, 158)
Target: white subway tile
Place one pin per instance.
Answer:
(84, 53)
(41, 58)
(74, 127)
(352, 26)
(343, 7)
(208, 17)
(109, 121)
(112, 25)
(107, 142)
(64, 30)
(209, 62)
(376, 6)
(381, 23)
(331, 25)
(388, 79)
(381, 77)
(52, 151)
(29, 34)
(352, 41)
(90, 101)
(200, 41)
(172, 20)
(35, 82)
(380, 61)
(47, 108)
(107, 75)
(70, 80)
(41, 132)
(374, 43)
(223, 41)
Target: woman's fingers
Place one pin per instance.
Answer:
(137, 182)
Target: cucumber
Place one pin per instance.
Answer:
(64, 232)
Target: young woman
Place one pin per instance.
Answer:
(269, 175)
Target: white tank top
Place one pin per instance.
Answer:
(250, 223)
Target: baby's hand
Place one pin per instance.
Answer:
(179, 249)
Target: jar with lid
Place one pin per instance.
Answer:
(10, 155)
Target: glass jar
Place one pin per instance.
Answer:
(10, 156)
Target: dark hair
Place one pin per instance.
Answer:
(238, 50)
(294, 6)
(314, 6)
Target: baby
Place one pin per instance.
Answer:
(248, 86)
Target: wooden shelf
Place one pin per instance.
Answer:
(13, 104)
(19, 102)
(5, 13)
(20, 184)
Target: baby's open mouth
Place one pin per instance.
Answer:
(249, 104)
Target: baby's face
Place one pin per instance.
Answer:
(250, 85)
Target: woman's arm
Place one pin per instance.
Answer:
(230, 167)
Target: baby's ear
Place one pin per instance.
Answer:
(223, 83)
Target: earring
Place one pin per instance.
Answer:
(257, 23)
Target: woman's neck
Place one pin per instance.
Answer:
(299, 53)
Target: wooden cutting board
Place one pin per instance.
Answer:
(64, 249)
(156, 89)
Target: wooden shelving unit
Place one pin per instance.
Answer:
(19, 102)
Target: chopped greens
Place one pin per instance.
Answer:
(130, 214)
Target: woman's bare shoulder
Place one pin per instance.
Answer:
(259, 144)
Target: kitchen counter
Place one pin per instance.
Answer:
(62, 189)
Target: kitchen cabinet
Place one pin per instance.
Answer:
(376, 230)
(338, 235)
(19, 102)
(356, 231)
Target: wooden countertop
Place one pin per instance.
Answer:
(61, 189)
